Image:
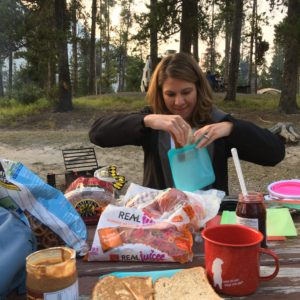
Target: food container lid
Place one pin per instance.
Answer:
(285, 189)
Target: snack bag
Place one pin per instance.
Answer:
(110, 174)
(128, 234)
(22, 191)
(89, 196)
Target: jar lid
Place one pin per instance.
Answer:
(251, 197)
(285, 189)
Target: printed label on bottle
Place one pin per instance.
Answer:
(253, 223)
(69, 293)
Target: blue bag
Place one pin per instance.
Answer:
(191, 168)
(22, 191)
(16, 243)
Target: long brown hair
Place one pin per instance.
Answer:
(184, 67)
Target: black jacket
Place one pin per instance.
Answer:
(253, 144)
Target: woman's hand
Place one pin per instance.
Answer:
(174, 124)
(212, 132)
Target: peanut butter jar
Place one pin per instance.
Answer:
(52, 274)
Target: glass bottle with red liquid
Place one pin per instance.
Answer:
(251, 212)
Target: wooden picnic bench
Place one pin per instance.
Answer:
(285, 286)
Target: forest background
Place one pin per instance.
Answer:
(78, 63)
(75, 48)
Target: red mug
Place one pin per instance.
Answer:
(232, 259)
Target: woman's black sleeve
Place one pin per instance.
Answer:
(255, 144)
(119, 130)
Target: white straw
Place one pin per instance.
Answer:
(239, 171)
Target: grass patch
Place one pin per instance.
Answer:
(248, 102)
(11, 110)
(126, 101)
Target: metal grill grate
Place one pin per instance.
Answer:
(81, 159)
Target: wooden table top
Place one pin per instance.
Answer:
(285, 285)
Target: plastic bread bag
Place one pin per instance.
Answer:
(89, 196)
(22, 191)
(127, 234)
(176, 206)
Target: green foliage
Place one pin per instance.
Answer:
(120, 101)
(40, 37)
(248, 102)
(243, 73)
(83, 62)
(25, 88)
(264, 79)
(135, 101)
(276, 67)
(134, 73)
(11, 110)
(28, 93)
(52, 95)
(11, 26)
(25, 75)
(168, 21)
(288, 29)
(262, 48)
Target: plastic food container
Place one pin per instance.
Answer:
(191, 168)
(285, 189)
(52, 274)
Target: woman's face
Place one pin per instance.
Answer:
(180, 97)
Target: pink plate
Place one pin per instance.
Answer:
(285, 189)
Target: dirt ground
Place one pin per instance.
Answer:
(37, 143)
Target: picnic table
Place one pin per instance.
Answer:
(285, 285)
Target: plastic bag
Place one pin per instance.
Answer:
(128, 234)
(89, 196)
(175, 206)
(21, 190)
(16, 242)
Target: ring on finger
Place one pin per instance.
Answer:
(206, 136)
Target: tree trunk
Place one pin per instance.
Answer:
(255, 51)
(212, 61)
(1, 80)
(107, 50)
(125, 56)
(287, 102)
(235, 51)
(288, 97)
(253, 29)
(188, 21)
(10, 73)
(65, 87)
(50, 75)
(92, 72)
(102, 34)
(228, 33)
(74, 49)
(127, 19)
(153, 35)
(195, 45)
(195, 37)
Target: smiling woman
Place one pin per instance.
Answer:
(181, 101)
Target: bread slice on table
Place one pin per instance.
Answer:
(127, 288)
(188, 284)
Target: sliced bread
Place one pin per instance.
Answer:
(127, 288)
(188, 284)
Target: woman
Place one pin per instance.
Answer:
(181, 100)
